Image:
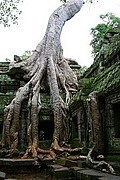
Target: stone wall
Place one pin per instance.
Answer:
(8, 88)
(103, 79)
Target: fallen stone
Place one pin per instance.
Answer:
(2, 175)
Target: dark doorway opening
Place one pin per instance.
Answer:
(116, 119)
(46, 129)
(74, 127)
(1, 128)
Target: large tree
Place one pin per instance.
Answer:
(45, 68)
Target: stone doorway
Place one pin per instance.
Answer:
(116, 117)
(46, 129)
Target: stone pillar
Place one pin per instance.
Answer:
(23, 129)
(79, 126)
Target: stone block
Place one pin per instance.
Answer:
(81, 164)
(2, 175)
(70, 163)
(55, 166)
(48, 161)
(61, 173)
(88, 174)
(61, 161)
(70, 178)
(74, 170)
(109, 177)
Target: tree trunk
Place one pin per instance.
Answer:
(97, 123)
(46, 61)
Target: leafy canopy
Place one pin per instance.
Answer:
(9, 12)
(110, 21)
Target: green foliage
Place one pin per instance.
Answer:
(82, 70)
(110, 21)
(26, 55)
(9, 12)
(86, 85)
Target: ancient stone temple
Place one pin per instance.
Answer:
(94, 111)
(8, 88)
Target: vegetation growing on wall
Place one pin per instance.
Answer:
(108, 80)
(110, 21)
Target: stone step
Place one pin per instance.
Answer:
(65, 173)
(88, 174)
(62, 173)
(2, 175)
(70, 178)
(16, 162)
(91, 174)
(70, 163)
(109, 177)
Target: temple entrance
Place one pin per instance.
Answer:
(116, 116)
(46, 129)
(74, 127)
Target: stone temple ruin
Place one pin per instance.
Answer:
(94, 115)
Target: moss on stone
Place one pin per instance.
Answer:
(108, 80)
(5, 99)
(85, 85)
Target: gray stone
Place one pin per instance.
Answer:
(70, 163)
(61, 173)
(55, 166)
(89, 174)
(109, 177)
(74, 170)
(2, 175)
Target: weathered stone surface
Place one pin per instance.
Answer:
(55, 166)
(91, 174)
(74, 170)
(109, 177)
(70, 163)
(48, 161)
(16, 162)
(62, 173)
(2, 175)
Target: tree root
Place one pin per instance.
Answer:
(51, 153)
(99, 164)
(58, 149)
(39, 152)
